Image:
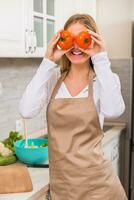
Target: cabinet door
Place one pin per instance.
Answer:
(12, 28)
(26, 26)
(43, 24)
(64, 11)
(37, 28)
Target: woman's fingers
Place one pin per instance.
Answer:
(92, 44)
(84, 50)
(69, 49)
(99, 42)
(55, 38)
(64, 51)
(96, 35)
(53, 43)
(56, 35)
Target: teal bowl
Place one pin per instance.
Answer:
(32, 155)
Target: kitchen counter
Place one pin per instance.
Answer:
(113, 145)
(40, 176)
(40, 179)
(114, 130)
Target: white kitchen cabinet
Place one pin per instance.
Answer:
(12, 28)
(25, 27)
(64, 9)
(111, 148)
(43, 25)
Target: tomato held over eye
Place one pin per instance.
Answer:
(65, 41)
(83, 39)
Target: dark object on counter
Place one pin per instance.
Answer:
(47, 195)
(39, 165)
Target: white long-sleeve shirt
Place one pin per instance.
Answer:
(106, 89)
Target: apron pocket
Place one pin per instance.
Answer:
(105, 184)
(95, 183)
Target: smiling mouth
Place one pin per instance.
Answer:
(77, 53)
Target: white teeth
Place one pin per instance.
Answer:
(77, 53)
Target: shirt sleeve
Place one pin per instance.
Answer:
(38, 92)
(111, 100)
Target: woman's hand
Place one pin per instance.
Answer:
(53, 53)
(96, 46)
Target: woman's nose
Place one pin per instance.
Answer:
(76, 45)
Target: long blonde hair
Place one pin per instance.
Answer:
(89, 23)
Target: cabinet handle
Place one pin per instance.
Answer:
(33, 41)
(27, 41)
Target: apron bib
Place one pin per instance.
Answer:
(77, 165)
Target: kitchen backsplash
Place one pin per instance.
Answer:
(15, 74)
(123, 67)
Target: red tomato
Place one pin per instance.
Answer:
(83, 39)
(66, 40)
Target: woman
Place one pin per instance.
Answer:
(78, 96)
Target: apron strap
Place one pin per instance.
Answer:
(90, 86)
(57, 86)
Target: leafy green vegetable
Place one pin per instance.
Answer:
(13, 137)
(44, 145)
(7, 160)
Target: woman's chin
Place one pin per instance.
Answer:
(78, 61)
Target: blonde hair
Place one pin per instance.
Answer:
(88, 22)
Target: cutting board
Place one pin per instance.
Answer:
(15, 178)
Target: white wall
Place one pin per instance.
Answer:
(15, 74)
(114, 21)
(65, 8)
(132, 9)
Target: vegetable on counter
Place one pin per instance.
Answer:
(13, 137)
(4, 151)
(35, 146)
(7, 160)
(6, 155)
(7, 151)
(44, 145)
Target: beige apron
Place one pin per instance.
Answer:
(78, 168)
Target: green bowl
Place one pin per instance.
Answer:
(32, 155)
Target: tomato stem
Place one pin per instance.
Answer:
(86, 40)
(62, 39)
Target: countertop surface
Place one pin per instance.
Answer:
(40, 176)
(116, 129)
